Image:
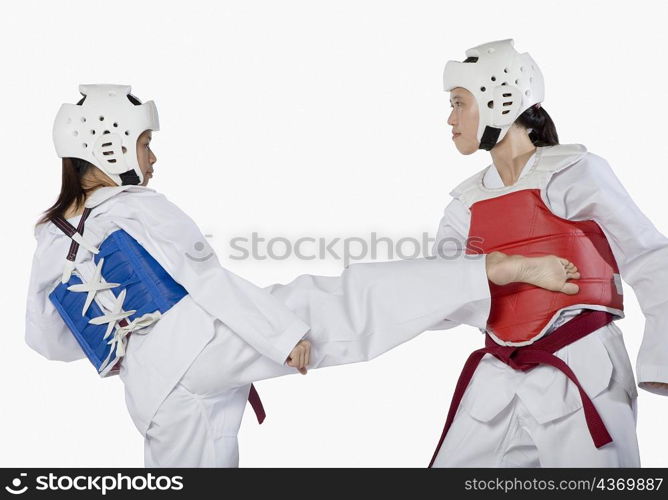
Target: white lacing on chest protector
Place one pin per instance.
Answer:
(117, 317)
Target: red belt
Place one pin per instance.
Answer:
(256, 404)
(526, 357)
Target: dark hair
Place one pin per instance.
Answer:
(544, 132)
(71, 190)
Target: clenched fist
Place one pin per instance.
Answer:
(300, 356)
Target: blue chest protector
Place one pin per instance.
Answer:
(143, 291)
(141, 286)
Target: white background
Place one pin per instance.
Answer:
(305, 118)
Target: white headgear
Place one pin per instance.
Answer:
(98, 127)
(504, 83)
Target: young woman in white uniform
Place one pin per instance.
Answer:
(531, 418)
(188, 365)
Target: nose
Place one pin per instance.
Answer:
(152, 159)
(451, 119)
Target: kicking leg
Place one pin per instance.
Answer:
(374, 307)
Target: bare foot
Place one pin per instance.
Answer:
(549, 272)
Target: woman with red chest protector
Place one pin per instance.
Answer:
(553, 386)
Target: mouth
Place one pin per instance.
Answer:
(454, 135)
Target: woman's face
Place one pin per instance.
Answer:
(145, 156)
(464, 120)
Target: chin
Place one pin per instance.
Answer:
(467, 149)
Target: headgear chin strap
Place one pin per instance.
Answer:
(97, 129)
(504, 83)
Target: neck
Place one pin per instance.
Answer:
(511, 154)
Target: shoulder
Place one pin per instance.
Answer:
(147, 213)
(588, 181)
(107, 195)
(553, 159)
(594, 161)
(152, 213)
(38, 229)
(137, 199)
(587, 165)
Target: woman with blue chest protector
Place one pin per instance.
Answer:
(553, 386)
(125, 278)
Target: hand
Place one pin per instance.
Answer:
(657, 385)
(300, 356)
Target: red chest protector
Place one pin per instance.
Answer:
(519, 222)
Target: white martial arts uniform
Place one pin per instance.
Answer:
(510, 418)
(187, 377)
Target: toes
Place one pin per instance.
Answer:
(570, 288)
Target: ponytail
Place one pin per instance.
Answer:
(544, 132)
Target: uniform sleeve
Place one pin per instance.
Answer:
(589, 190)
(450, 244)
(175, 241)
(46, 332)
